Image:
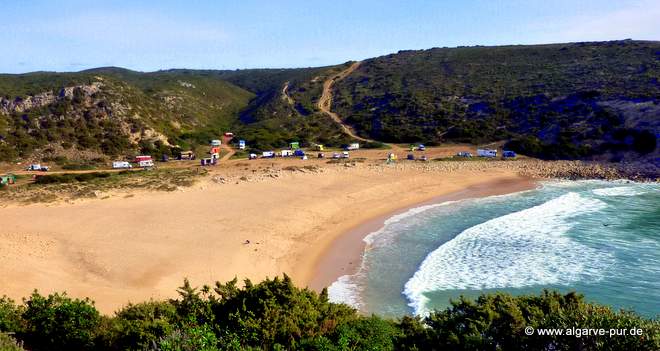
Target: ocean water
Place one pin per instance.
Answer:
(599, 238)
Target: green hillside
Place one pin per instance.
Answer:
(555, 101)
(270, 121)
(112, 111)
(580, 100)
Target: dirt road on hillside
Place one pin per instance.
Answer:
(285, 94)
(325, 102)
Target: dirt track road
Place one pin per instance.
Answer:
(325, 102)
(230, 150)
(285, 94)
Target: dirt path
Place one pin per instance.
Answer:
(230, 150)
(325, 102)
(285, 94)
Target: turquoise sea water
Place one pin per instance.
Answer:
(599, 238)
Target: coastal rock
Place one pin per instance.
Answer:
(23, 104)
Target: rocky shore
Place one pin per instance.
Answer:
(548, 169)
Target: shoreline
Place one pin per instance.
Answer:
(245, 220)
(344, 255)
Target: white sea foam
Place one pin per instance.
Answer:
(620, 191)
(520, 249)
(370, 239)
(344, 290)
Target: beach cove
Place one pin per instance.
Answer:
(141, 245)
(244, 219)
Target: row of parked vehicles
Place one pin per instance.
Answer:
(140, 161)
(489, 153)
(296, 153)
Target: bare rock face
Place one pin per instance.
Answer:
(87, 90)
(22, 104)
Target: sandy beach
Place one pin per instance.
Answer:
(308, 223)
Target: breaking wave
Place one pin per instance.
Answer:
(398, 218)
(620, 191)
(524, 248)
(344, 290)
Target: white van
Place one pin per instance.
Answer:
(486, 153)
(146, 163)
(121, 165)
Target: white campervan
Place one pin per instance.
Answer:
(121, 165)
(486, 153)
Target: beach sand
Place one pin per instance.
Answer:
(308, 224)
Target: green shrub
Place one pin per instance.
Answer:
(190, 338)
(138, 326)
(276, 315)
(70, 177)
(7, 343)
(498, 321)
(10, 316)
(57, 322)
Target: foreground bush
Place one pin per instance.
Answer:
(276, 315)
(7, 343)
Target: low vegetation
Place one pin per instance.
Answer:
(72, 186)
(275, 315)
(560, 101)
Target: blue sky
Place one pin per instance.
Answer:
(150, 35)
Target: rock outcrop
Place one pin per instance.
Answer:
(23, 104)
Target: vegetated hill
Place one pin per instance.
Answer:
(284, 108)
(113, 111)
(578, 100)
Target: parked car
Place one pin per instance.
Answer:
(345, 154)
(320, 155)
(464, 154)
(186, 155)
(508, 154)
(336, 155)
